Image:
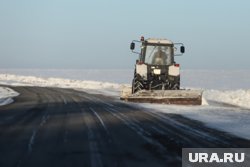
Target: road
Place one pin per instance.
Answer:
(63, 127)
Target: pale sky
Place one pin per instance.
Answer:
(96, 34)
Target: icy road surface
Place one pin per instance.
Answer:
(227, 92)
(56, 127)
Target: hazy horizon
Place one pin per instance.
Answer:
(61, 34)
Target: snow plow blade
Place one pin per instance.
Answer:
(177, 97)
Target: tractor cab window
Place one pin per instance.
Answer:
(158, 55)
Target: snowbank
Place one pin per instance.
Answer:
(11, 79)
(6, 95)
(100, 75)
(239, 98)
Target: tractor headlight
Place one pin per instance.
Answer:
(157, 71)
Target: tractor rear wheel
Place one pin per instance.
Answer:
(136, 86)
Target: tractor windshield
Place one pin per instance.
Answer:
(158, 55)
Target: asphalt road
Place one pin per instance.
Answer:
(62, 127)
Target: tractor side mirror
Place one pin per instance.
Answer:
(182, 49)
(132, 46)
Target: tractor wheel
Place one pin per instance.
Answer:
(136, 86)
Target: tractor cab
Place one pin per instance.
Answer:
(156, 54)
(159, 52)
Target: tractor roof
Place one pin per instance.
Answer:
(159, 41)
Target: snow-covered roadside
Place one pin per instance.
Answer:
(228, 119)
(239, 97)
(107, 88)
(16, 80)
(6, 95)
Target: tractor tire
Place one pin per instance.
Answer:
(136, 86)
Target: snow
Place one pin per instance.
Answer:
(103, 75)
(239, 97)
(226, 97)
(10, 79)
(228, 119)
(6, 95)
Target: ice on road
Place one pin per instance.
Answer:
(6, 95)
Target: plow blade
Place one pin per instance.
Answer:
(178, 97)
